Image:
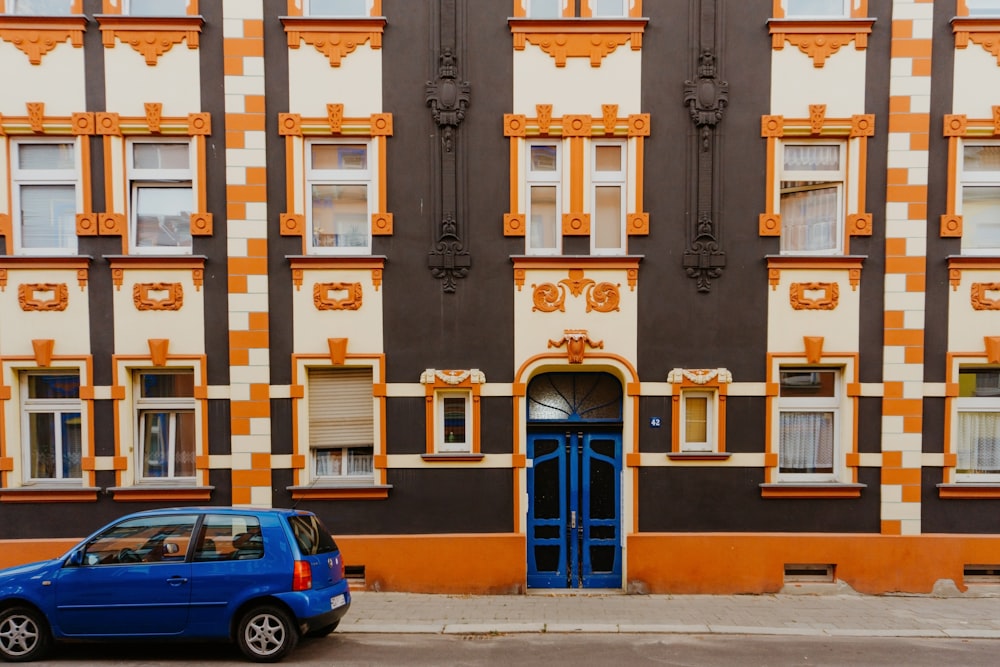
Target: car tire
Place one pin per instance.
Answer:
(323, 631)
(266, 634)
(24, 635)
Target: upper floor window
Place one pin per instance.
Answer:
(339, 211)
(608, 189)
(52, 433)
(817, 8)
(165, 415)
(808, 424)
(155, 7)
(341, 424)
(811, 202)
(979, 201)
(39, 7)
(544, 198)
(545, 9)
(336, 8)
(454, 417)
(609, 8)
(978, 430)
(698, 421)
(983, 8)
(161, 196)
(45, 175)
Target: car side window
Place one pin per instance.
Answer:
(149, 539)
(229, 537)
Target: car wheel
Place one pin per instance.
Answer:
(24, 634)
(323, 631)
(266, 634)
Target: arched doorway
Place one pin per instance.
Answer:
(574, 436)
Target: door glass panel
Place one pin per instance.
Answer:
(547, 558)
(602, 490)
(574, 397)
(547, 532)
(547, 490)
(603, 532)
(602, 558)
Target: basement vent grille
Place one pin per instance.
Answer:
(982, 574)
(355, 575)
(809, 573)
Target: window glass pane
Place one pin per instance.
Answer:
(696, 419)
(156, 444)
(48, 216)
(46, 156)
(607, 158)
(978, 442)
(978, 382)
(340, 216)
(53, 386)
(39, 7)
(608, 217)
(338, 7)
(819, 157)
(544, 158)
(143, 540)
(184, 445)
(157, 7)
(608, 7)
(454, 419)
(809, 216)
(43, 445)
(545, 9)
(814, 8)
(806, 442)
(311, 535)
(980, 217)
(72, 444)
(543, 224)
(167, 385)
(983, 7)
(163, 216)
(160, 156)
(329, 462)
(340, 156)
(981, 158)
(360, 462)
(809, 383)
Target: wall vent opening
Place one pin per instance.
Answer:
(813, 573)
(355, 575)
(982, 574)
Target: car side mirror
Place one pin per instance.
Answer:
(75, 559)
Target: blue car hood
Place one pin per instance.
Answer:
(22, 571)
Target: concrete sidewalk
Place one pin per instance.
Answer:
(830, 615)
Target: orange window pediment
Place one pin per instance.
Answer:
(151, 36)
(37, 35)
(335, 38)
(820, 39)
(594, 39)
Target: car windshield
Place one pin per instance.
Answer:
(311, 535)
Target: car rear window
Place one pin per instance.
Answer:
(311, 535)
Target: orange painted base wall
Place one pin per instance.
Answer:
(19, 552)
(744, 563)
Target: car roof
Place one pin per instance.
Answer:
(260, 511)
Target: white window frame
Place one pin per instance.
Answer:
(974, 179)
(973, 404)
(127, 9)
(158, 178)
(534, 178)
(172, 405)
(307, 10)
(834, 404)
(19, 177)
(844, 13)
(56, 407)
(12, 7)
(838, 178)
(343, 477)
(711, 443)
(442, 443)
(364, 177)
(606, 178)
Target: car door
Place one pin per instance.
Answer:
(134, 580)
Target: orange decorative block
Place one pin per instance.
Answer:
(382, 224)
(513, 224)
(292, 224)
(201, 224)
(769, 224)
(951, 226)
(575, 224)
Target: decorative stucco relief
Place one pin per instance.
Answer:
(801, 296)
(602, 297)
(351, 300)
(158, 296)
(985, 296)
(43, 296)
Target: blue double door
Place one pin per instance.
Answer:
(574, 507)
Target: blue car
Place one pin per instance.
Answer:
(261, 578)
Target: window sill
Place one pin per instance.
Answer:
(133, 494)
(699, 456)
(969, 491)
(345, 492)
(803, 490)
(49, 494)
(979, 30)
(465, 457)
(196, 264)
(851, 263)
(37, 35)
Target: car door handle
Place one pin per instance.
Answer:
(177, 581)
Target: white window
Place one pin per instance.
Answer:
(40, 7)
(808, 424)
(979, 203)
(817, 8)
(697, 422)
(155, 7)
(609, 8)
(812, 198)
(978, 429)
(341, 424)
(45, 176)
(454, 419)
(544, 9)
(544, 197)
(161, 196)
(339, 197)
(983, 7)
(336, 8)
(608, 176)
(166, 425)
(51, 426)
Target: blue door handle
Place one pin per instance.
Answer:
(177, 581)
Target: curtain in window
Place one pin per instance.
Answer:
(809, 217)
(48, 216)
(806, 442)
(978, 442)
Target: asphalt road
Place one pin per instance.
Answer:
(555, 650)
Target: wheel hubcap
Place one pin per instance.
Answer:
(18, 635)
(265, 634)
